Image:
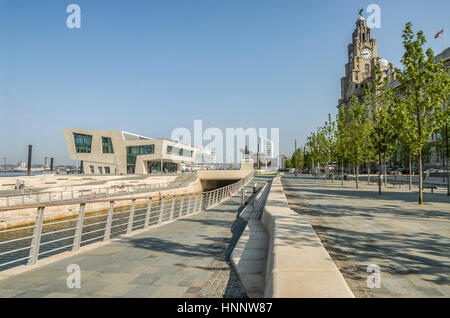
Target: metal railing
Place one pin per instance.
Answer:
(49, 235)
(32, 198)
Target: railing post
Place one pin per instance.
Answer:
(172, 209)
(131, 218)
(147, 215)
(189, 205)
(37, 233)
(109, 222)
(201, 201)
(181, 206)
(161, 210)
(79, 228)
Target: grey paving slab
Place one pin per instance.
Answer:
(186, 258)
(410, 243)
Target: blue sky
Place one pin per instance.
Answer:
(151, 66)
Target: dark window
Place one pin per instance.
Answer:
(170, 167)
(107, 170)
(179, 151)
(107, 145)
(133, 152)
(154, 166)
(83, 143)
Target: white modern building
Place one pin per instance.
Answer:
(120, 152)
(265, 146)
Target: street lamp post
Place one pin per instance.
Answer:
(295, 157)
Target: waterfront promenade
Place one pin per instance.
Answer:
(186, 258)
(410, 243)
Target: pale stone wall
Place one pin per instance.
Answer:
(223, 174)
(297, 265)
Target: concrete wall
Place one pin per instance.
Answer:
(223, 174)
(297, 264)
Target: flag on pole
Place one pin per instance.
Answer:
(439, 34)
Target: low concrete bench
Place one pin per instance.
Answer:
(431, 187)
(298, 265)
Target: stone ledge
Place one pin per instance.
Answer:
(298, 265)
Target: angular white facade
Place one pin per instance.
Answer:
(120, 152)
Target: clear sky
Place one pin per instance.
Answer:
(150, 66)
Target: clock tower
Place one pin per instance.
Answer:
(362, 58)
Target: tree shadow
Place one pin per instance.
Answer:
(397, 252)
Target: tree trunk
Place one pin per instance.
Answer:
(342, 172)
(368, 173)
(446, 157)
(379, 174)
(357, 174)
(410, 176)
(318, 171)
(420, 178)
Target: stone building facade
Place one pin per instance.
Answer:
(362, 58)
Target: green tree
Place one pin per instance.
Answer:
(315, 144)
(297, 158)
(423, 87)
(330, 136)
(343, 139)
(358, 130)
(382, 135)
(289, 164)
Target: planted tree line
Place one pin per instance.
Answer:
(389, 117)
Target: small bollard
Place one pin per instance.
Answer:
(255, 187)
(243, 195)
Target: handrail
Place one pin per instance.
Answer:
(46, 239)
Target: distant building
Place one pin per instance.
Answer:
(120, 152)
(265, 147)
(362, 59)
(283, 160)
(46, 163)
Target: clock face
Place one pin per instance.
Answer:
(366, 53)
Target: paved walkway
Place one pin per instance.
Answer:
(186, 258)
(410, 243)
